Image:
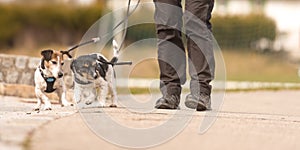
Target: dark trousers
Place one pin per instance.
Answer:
(172, 60)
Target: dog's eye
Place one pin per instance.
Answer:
(62, 63)
(54, 62)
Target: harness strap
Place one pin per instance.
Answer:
(50, 82)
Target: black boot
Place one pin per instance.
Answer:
(200, 102)
(168, 102)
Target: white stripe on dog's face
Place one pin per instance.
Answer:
(56, 67)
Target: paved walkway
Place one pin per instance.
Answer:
(248, 121)
(18, 121)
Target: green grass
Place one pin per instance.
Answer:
(143, 90)
(240, 66)
(135, 91)
(251, 66)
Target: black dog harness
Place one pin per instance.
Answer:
(50, 82)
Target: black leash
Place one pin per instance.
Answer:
(94, 40)
(67, 52)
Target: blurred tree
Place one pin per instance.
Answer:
(258, 6)
(101, 2)
(38, 2)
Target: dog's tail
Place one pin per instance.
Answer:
(116, 52)
(115, 48)
(114, 60)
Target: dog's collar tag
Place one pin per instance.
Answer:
(51, 79)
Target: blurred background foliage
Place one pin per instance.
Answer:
(243, 31)
(32, 26)
(26, 28)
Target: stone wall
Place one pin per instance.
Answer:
(17, 75)
(17, 69)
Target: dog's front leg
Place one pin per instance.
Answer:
(42, 97)
(113, 92)
(61, 92)
(77, 93)
(39, 100)
(102, 94)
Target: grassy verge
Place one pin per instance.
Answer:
(240, 66)
(251, 66)
(148, 91)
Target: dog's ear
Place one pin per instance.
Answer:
(43, 63)
(102, 69)
(47, 54)
(102, 66)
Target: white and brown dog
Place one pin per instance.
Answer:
(48, 78)
(94, 78)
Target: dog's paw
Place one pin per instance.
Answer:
(47, 105)
(67, 104)
(113, 105)
(48, 108)
(88, 102)
(36, 109)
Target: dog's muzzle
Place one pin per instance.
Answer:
(60, 74)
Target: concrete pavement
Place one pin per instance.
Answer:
(247, 120)
(18, 121)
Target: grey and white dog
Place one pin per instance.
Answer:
(94, 78)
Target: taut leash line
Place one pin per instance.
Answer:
(97, 39)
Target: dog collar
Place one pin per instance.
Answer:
(81, 82)
(50, 82)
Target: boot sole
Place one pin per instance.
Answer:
(193, 104)
(165, 106)
(201, 106)
(189, 103)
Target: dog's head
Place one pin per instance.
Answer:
(88, 67)
(52, 61)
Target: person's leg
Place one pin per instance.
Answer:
(171, 54)
(200, 52)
